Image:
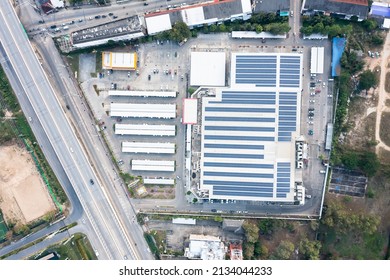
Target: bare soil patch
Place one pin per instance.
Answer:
(387, 82)
(362, 127)
(23, 195)
(384, 156)
(385, 128)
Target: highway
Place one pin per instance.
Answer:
(113, 239)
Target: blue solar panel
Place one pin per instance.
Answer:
(282, 185)
(244, 101)
(290, 77)
(238, 110)
(284, 133)
(243, 188)
(236, 183)
(283, 164)
(289, 66)
(288, 128)
(258, 76)
(283, 190)
(281, 169)
(239, 119)
(287, 102)
(218, 155)
(289, 71)
(270, 66)
(234, 146)
(287, 108)
(239, 128)
(249, 96)
(251, 194)
(287, 124)
(252, 57)
(287, 97)
(279, 195)
(257, 71)
(239, 165)
(228, 92)
(237, 174)
(282, 175)
(287, 113)
(239, 138)
(262, 85)
(284, 139)
(280, 180)
(287, 118)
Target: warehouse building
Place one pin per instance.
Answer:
(211, 74)
(205, 247)
(142, 110)
(317, 60)
(148, 148)
(153, 165)
(190, 111)
(249, 130)
(159, 181)
(119, 61)
(145, 129)
(118, 30)
(198, 14)
(142, 93)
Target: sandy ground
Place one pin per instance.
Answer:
(23, 195)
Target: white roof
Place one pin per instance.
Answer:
(386, 23)
(138, 110)
(143, 93)
(246, 6)
(153, 165)
(184, 221)
(119, 60)
(57, 3)
(193, 16)
(148, 148)
(190, 111)
(145, 129)
(208, 68)
(159, 23)
(317, 60)
(255, 35)
(160, 181)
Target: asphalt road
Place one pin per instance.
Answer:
(114, 242)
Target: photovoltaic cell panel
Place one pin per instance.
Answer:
(256, 194)
(238, 165)
(237, 174)
(233, 156)
(236, 183)
(243, 188)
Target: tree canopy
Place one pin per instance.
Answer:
(180, 31)
(310, 249)
(251, 231)
(367, 80)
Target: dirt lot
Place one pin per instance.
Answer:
(23, 195)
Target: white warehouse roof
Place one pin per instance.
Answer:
(190, 111)
(208, 68)
(144, 93)
(148, 148)
(153, 165)
(160, 181)
(141, 110)
(119, 60)
(156, 24)
(145, 129)
(317, 60)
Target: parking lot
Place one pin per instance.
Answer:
(160, 68)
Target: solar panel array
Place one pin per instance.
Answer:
(243, 126)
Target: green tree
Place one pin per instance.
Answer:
(284, 251)
(367, 80)
(350, 160)
(377, 40)
(369, 163)
(213, 28)
(251, 231)
(222, 28)
(260, 250)
(258, 28)
(319, 28)
(310, 249)
(248, 250)
(334, 30)
(370, 24)
(277, 28)
(180, 31)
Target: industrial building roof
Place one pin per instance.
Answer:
(142, 93)
(271, 6)
(148, 148)
(205, 247)
(119, 60)
(357, 8)
(141, 110)
(255, 35)
(208, 68)
(145, 129)
(317, 60)
(159, 181)
(153, 165)
(123, 28)
(248, 130)
(158, 23)
(190, 111)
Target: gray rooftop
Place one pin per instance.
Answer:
(348, 8)
(110, 29)
(271, 6)
(222, 10)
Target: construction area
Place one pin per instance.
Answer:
(23, 194)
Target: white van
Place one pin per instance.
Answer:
(322, 171)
